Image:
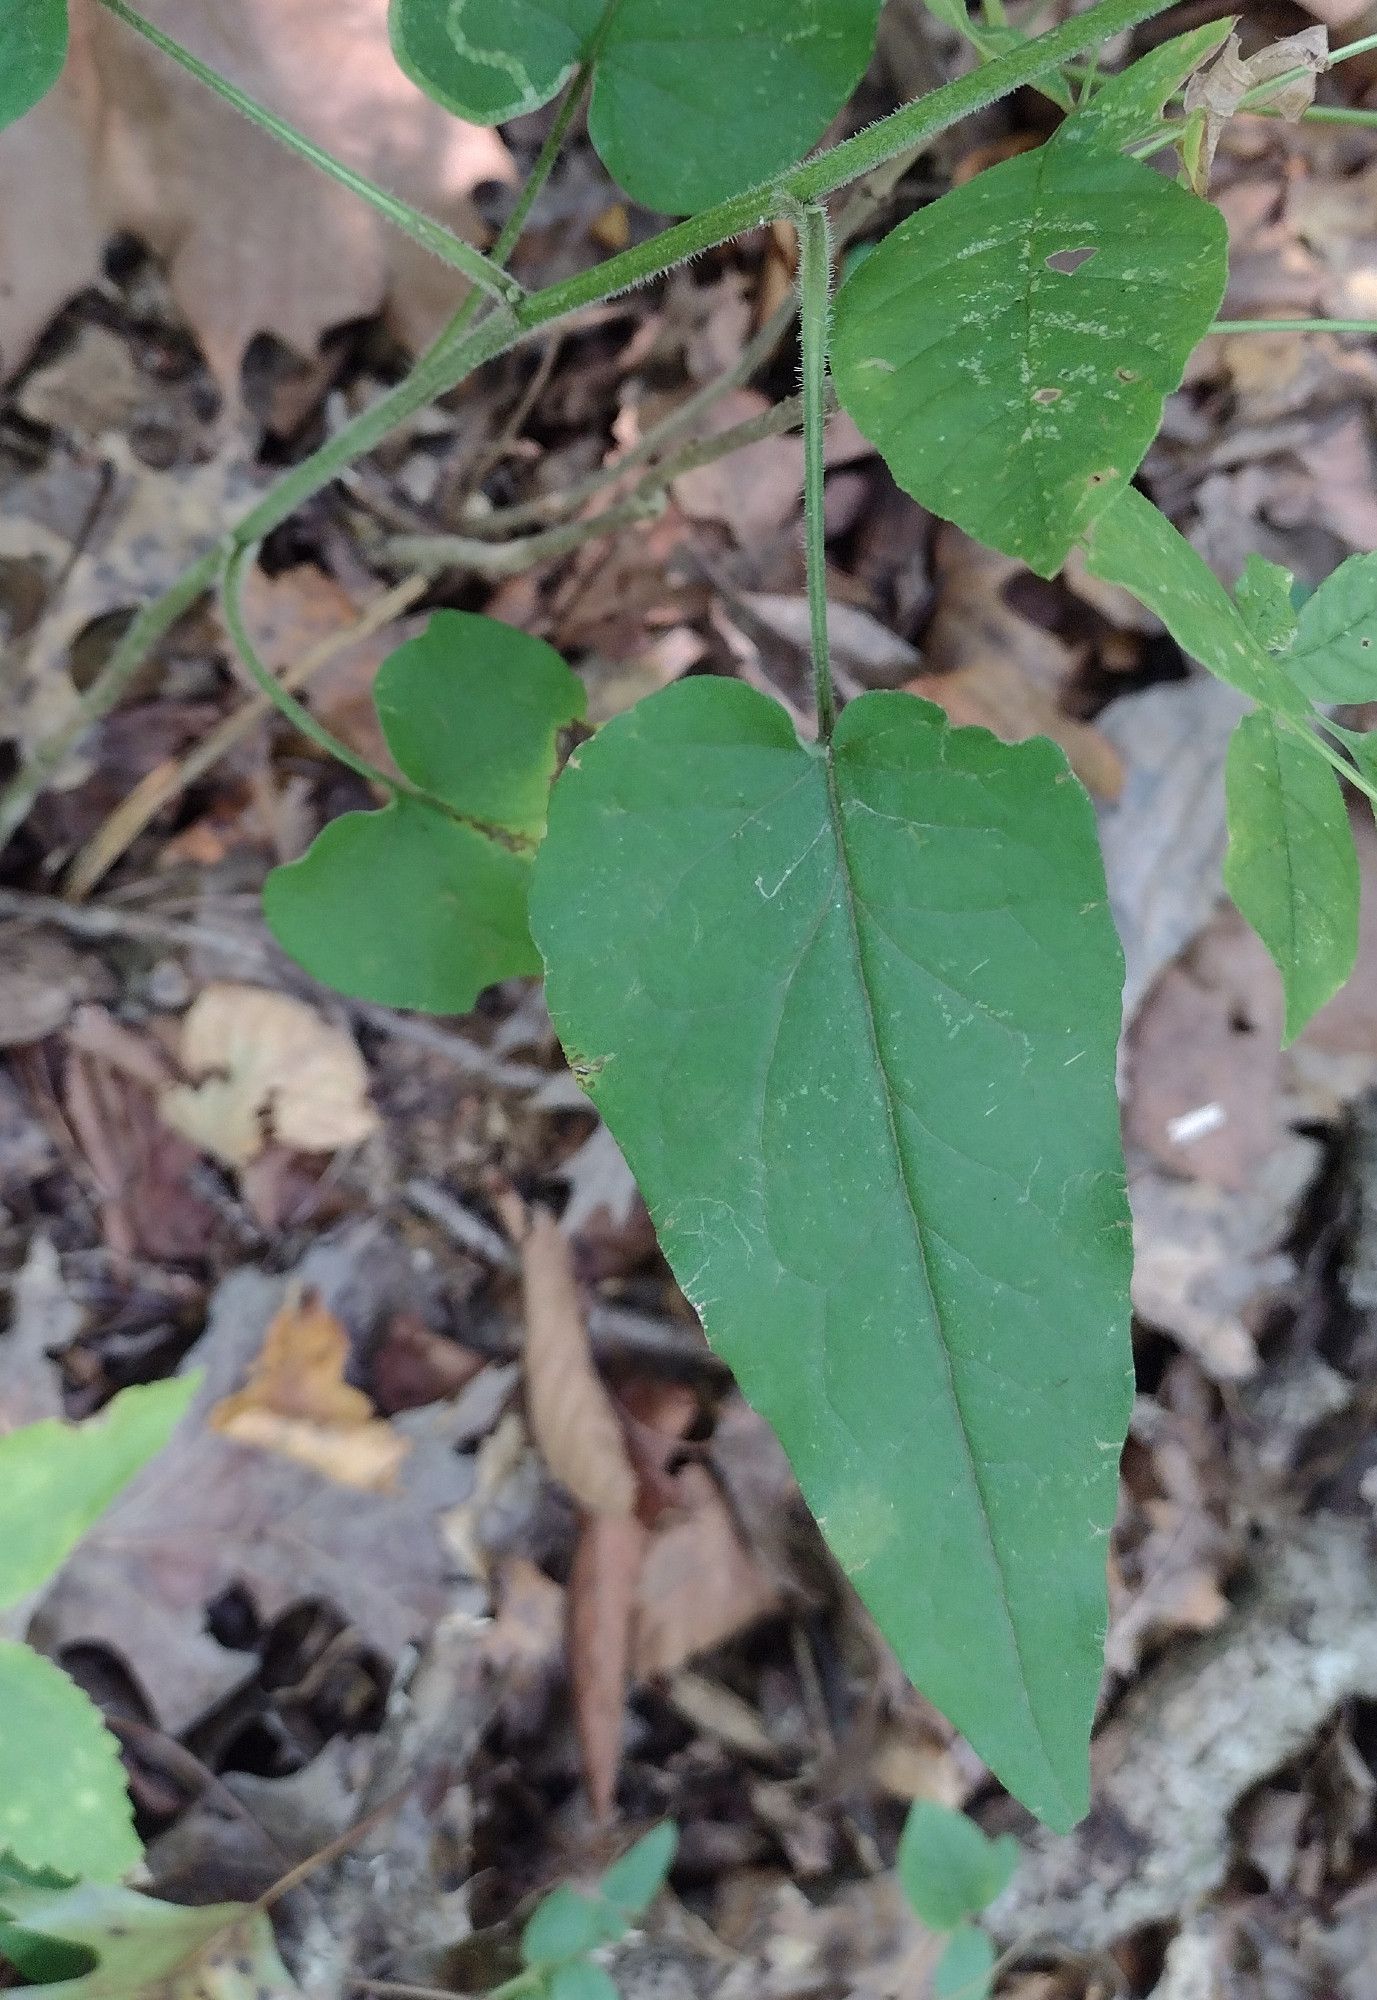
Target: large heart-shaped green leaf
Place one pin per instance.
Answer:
(1008, 349)
(56, 1479)
(63, 1802)
(1292, 867)
(423, 903)
(33, 48)
(852, 1015)
(690, 103)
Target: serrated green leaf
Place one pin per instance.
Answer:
(223, 1951)
(1129, 106)
(1008, 391)
(581, 1980)
(1263, 595)
(63, 1801)
(1135, 545)
(690, 104)
(948, 1868)
(55, 1479)
(33, 48)
(1334, 657)
(1292, 867)
(566, 1925)
(966, 1968)
(853, 1018)
(409, 906)
(632, 1884)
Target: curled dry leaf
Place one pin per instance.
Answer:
(297, 1402)
(602, 1592)
(1218, 90)
(268, 1063)
(256, 241)
(572, 1416)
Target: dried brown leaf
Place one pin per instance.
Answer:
(1217, 91)
(297, 1402)
(269, 1062)
(573, 1419)
(700, 1585)
(602, 1593)
(256, 241)
(989, 665)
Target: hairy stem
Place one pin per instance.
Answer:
(815, 319)
(459, 352)
(485, 272)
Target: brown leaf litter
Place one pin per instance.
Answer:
(255, 241)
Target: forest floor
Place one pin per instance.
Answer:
(373, 1566)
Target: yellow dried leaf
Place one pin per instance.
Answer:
(572, 1417)
(297, 1403)
(271, 1067)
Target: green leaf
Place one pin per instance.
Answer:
(63, 1802)
(55, 1479)
(1008, 391)
(1292, 867)
(1128, 107)
(632, 1884)
(33, 39)
(948, 1868)
(1334, 658)
(1135, 545)
(690, 104)
(223, 1951)
(1263, 595)
(416, 905)
(566, 1925)
(966, 1968)
(852, 1017)
(580, 1980)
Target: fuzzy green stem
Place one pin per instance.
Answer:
(460, 351)
(485, 272)
(1346, 769)
(815, 322)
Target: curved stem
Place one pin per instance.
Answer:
(815, 314)
(485, 272)
(462, 348)
(232, 608)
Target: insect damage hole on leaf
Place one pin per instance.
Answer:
(1068, 262)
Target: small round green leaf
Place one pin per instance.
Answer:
(1292, 867)
(632, 1884)
(56, 1479)
(1008, 349)
(1335, 653)
(33, 48)
(63, 1801)
(423, 903)
(948, 1868)
(406, 908)
(581, 1980)
(690, 103)
(566, 1925)
(852, 1016)
(966, 1967)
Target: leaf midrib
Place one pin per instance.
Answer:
(838, 823)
